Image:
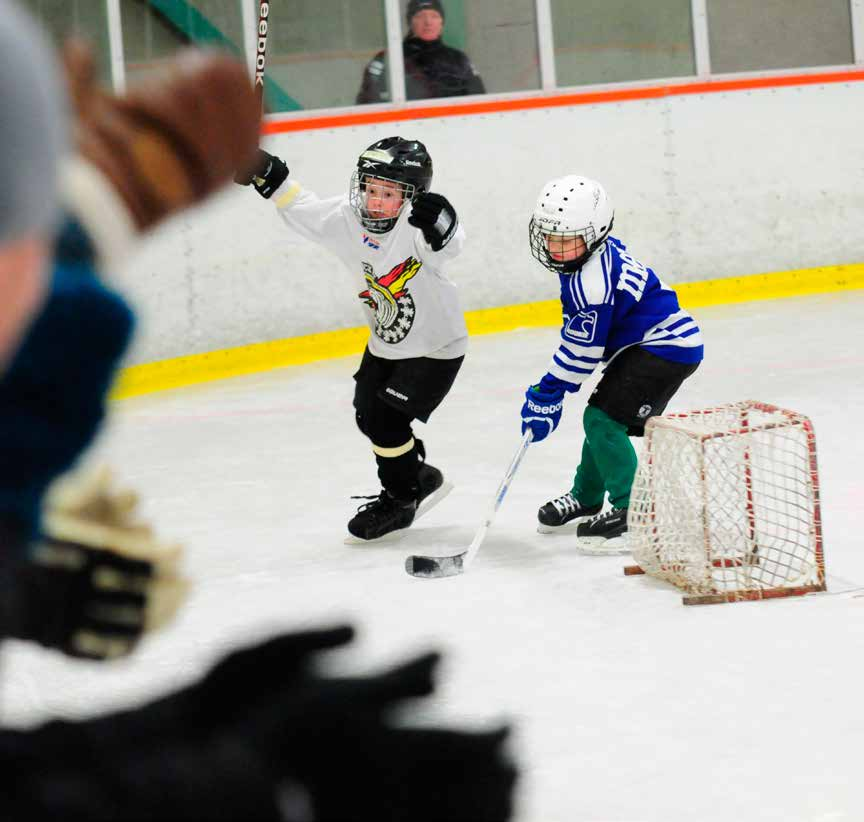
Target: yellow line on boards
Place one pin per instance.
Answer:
(148, 378)
(771, 286)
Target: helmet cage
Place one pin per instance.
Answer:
(357, 199)
(537, 233)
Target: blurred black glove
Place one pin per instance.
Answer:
(266, 176)
(220, 779)
(269, 669)
(435, 217)
(262, 728)
(261, 677)
(335, 738)
(97, 581)
(424, 775)
(249, 680)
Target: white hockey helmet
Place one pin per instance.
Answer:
(571, 206)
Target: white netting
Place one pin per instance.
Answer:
(725, 502)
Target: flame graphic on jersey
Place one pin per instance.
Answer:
(389, 298)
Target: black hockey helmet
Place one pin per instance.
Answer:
(401, 161)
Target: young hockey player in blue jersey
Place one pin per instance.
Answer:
(618, 312)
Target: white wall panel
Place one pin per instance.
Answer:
(706, 186)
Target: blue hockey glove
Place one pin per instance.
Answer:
(542, 410)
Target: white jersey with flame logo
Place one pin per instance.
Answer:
(413, 309)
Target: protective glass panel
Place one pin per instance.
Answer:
(473, 48)
(750, 35)
(155, 29)
(609, 41)
(86, 18)
(318, 49)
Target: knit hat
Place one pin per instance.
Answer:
(33, 128)
(416, 6)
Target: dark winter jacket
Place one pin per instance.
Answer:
(431, 70)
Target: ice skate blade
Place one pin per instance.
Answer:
(566, 528)
(600, 546)
(433, 499)
(393, 536)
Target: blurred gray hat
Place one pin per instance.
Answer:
(33, 127)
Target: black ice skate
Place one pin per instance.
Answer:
(384, 515)
(432, 488)
(562, 510)
(604, 534)
(387, 514)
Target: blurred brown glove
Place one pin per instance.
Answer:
(174, 139)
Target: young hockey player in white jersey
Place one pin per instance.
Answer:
(618, 312)
(395, 235)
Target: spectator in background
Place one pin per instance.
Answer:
(432, 69)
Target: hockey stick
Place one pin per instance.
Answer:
(243, 176)
(261, 50)
(450, 566)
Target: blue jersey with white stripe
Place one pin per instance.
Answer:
(614, 302)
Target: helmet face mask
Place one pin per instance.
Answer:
(567, 247)
(378, 201)
(389, 174)
(560, 251)
(571, 220)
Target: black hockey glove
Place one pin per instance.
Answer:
(82, 601)
(98, 579)
(435, 217)
(267, 175)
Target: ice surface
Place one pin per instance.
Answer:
(628, 706)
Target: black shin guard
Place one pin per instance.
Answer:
(398, 474)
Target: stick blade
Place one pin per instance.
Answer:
(435, 567)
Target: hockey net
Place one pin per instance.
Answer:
(725, 504)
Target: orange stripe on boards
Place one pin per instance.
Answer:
(360, 118)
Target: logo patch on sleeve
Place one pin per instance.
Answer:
(581, 327)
